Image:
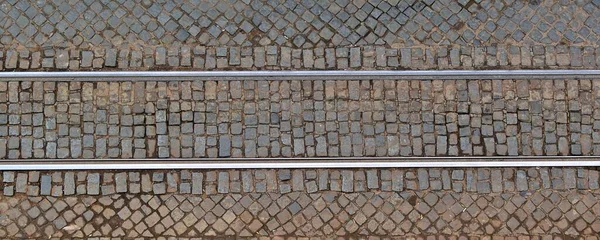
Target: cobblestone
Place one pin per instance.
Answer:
(483, 180)
(322, 214)
(364, 57)
(201, 119)
(259, 119)
(305, 24)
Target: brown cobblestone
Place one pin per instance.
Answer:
(264, 119)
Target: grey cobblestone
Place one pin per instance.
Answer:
(21, 183)
(347, 181)
(225, 119)
(299, 118)
(363, 57)
(483, 180)
(93, 184)
(8, 177)
(305, 24)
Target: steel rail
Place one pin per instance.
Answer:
(106, 76)
(356, 162)
(275, 163)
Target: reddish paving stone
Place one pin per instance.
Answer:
(422, 215)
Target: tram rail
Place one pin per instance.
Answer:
(134, 76)
(324, 162)
(299, 163)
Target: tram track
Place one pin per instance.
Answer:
(300, 162)
(134, 76)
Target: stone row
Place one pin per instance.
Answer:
(210, 119)
(481, 180)
(302, 24)
(199, 57)
(451, 215)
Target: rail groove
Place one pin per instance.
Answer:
(275, 163)
(115, 76)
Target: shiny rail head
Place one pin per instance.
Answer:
(297, 163)
(299, 75)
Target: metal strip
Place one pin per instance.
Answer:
(312, 159)
(53, 164)
(299, 75)
(250, 165)
(129, 164)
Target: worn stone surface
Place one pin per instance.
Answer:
(308, 34)
(482, 180)
(302, 24)
(305, 202)
(76, 120)
(185, 119)
(357, 58)
(327, 214)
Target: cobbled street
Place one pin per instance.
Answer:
(174, 119)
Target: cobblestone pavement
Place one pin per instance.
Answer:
(253, 34)
(304, 24)
(200, 57)
(318, 203)
(299, 118)
(74, 120)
